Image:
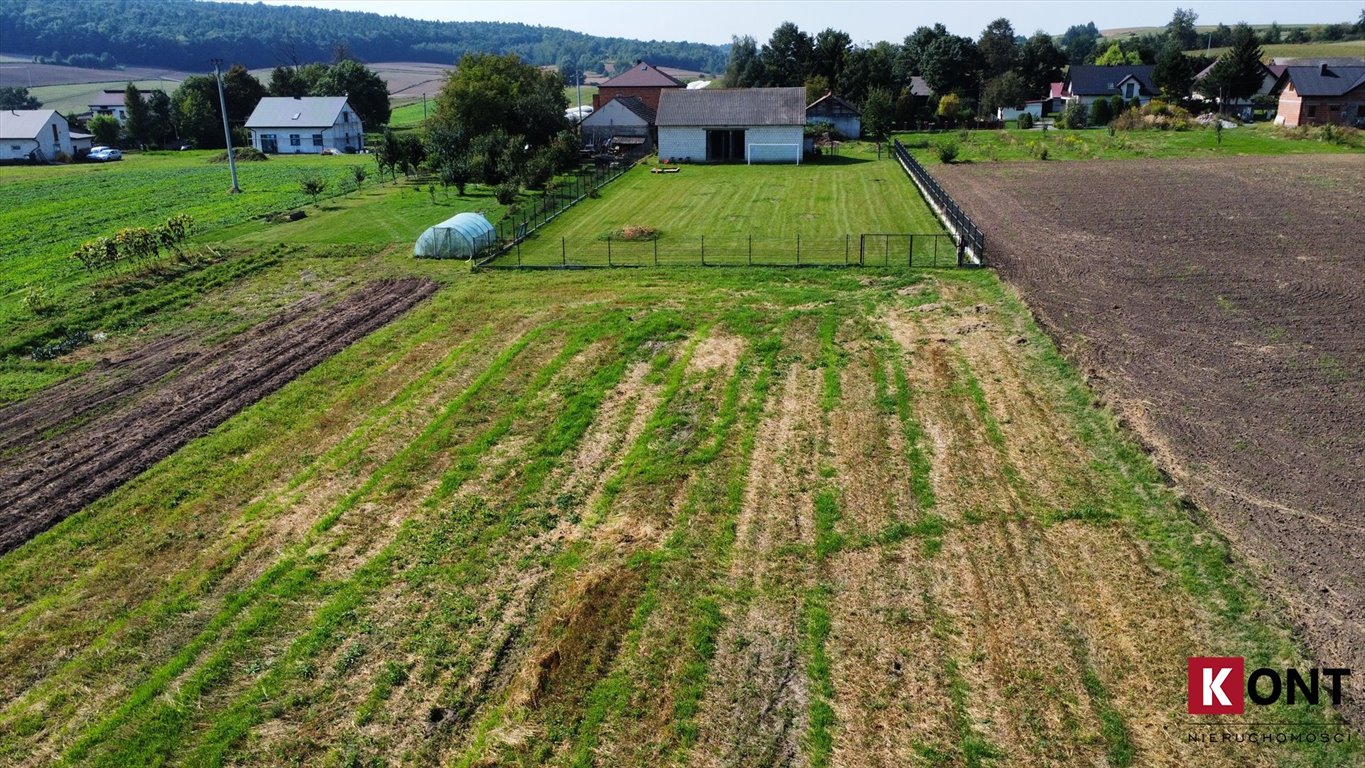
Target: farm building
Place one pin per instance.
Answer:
(33, 134)
(460, 237)
(755, 125)
(305, 125)
(1321, 94)
(110, 102)
(1089, 83)
(643, 81)
(837, 111)
(623, 121)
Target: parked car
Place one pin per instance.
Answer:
(105, 154)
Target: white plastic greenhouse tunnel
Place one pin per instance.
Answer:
(460, 237)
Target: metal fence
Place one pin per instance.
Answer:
(567, 191)
(970, 237)
(870, 250)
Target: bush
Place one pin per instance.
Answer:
(506, 193)
(1026, 121)
(946, 151)
(1074, 116)
(37, 300)
(1102, 114)
(313, 186)
(1155, 115)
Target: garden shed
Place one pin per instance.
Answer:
(461, 237)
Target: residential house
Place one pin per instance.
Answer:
(755, 125)
(111, 102)
(625, 122)
(644, 81)
(305, 125)
(1239, 106)
(1320, 95)
(838, 112)
(1090, 83)
(33, 134)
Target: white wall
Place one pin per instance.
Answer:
(682, 143)
(774, 134)
(338, 137)
(42, 141)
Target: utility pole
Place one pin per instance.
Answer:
(227, 132)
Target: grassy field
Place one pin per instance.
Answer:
(820, 202)
(664, 517)
(1013, 145)
(1339, 49)
(76, 97)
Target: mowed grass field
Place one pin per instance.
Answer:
(1014, 145)
(638, 517)
(821, 207)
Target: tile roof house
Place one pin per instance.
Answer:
(733, 124)
(625, 121)
(33, 134)
(643, 80)
(837, 111)
(1089, 83)
(305, 125)
(1321, 94)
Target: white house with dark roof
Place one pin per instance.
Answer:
(1088, 83)
(302, 125)
(33, 134)
(754, 125)
(111, 102)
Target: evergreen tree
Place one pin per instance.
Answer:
(137, 123)
(160, 127)
(1238, 74)
(1174, 73)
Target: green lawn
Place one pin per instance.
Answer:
(1012, 144)
(1339, 49)
(822, 203)
(410, 115)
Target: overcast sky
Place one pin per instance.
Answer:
(711, 21)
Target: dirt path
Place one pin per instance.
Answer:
(1218, 304)
(150, 416)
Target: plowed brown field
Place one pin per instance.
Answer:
(1220, 305)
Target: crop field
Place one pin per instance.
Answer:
(405, 514)
(727, 210)
(1219, 304)
(1014, 145)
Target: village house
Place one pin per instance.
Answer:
(625, 122)
(1087, 84)
(754, 125)
(838, 112)
(33, 134)
(643, 81)
(1321, 94)
(294, 125)
(111, 102)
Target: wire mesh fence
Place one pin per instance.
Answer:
(861, 250)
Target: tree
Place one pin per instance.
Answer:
(910, 57)
(1238, 74)
(160, 125)
(487, 92)
(999, 54)
(1174, 73)
(137, 124)
(364, 89)
(1007, 90)
(1040, 63)
(1114, 56)
(288, 81)
(951, 64)
(949, 106)
(17, 98)
(104, 129)
(745, 70)
(196, 119)
(817, 86)
(1180, 29)
(878, 112)
(1101, 113)
(830, 56)
(313, 186)
(1079, 41)
(868, 68)
(787, 56)
(243, 92)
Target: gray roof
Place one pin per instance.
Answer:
(637, 105)
(297, 112)
(23, 123)
(1321, 80)
(1095, 80)
(737, 107)
(114, 97)
(920, 87)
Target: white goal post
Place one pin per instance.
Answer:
(772, 153)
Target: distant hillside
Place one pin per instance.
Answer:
(184, 34)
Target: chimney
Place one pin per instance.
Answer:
(298, 98)
(1322, 69)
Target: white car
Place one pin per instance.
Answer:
(105, 154)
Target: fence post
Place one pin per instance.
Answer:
(703, 250)
(563, 252)
(845, 250)
(798, 250)
(609, 250)
(886, 250)
(751, 249)
(936, 237)
(910, 253)
(656, 250)
(518, 253)
(862, 248)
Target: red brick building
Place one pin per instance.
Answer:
(1321, 94)
(643, 81)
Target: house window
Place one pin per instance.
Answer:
(294, 140)
(317, 139)
(345, 116)
(1313, 111)
(15, 147)
(55, 137)
(1132, 90)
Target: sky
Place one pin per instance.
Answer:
(715, 21)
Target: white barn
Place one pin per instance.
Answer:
(755, 125)
(305, 125)
(33, 134)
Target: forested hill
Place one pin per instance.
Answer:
(185, 34)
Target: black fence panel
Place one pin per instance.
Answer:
(970, 237)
